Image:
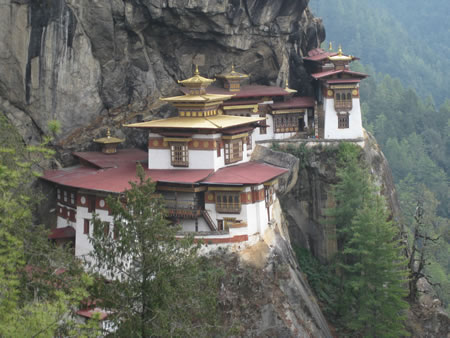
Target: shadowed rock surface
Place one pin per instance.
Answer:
(93, 64)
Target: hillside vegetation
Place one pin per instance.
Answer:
(404, 46)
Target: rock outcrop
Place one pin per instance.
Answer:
(92, 64)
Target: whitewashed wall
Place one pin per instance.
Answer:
(332, 131)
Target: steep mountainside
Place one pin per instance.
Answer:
(90, 64)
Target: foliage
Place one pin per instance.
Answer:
(40, 286)
(362, 290)
(394, 37)
(157, 285)
(322, 279)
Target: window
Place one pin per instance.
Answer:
(249, 142)
(228, 202)
(72, 198)
(343, 100)
(179, 154)
(106, 228)
(233, 151)
(116, 232)
(58, 194)
(220, 224)
(65, 196)
(286, 123)
(269, 195)
(343, 122)
(91, 205)
(218, 148)
(263, 124)
(86, 227)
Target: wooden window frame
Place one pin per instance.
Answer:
(86, 226)
(234, 150)
(106, 228)
(263, 125)
(343, 100)
(343, 121)
(228, 202)
(179, 154)
(268, 195)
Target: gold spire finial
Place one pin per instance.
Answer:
(340, 50)
(232, 67)
(330, 47)
(108, 133)
(287, 83)
(196, 70)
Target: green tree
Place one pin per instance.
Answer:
(157, 285)
(36, 298)
(375, 276)
(369, 261)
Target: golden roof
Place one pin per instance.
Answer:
(197, 98)
(197, 80)
(289, 90)
(340, 56)
(233, 75)
(212, 122)
(108, 139)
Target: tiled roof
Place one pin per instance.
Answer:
(62, 233)
(295, 102)
(245, 173)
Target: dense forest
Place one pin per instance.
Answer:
(404, 46)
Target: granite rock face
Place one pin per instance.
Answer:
(90, 64)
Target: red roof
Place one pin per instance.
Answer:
(89, 313)
(103, 161)
(62, 233)
(295, 102)
(327, 73)
(245, 173)
(250, 91)
(186, 176)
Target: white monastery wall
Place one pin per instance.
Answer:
(332, 131)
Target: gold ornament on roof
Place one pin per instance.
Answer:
(331, 47)
(197, 80)
(109, 143)
(108, 139)
(233, 75)
(340, 56)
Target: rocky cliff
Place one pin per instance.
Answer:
(91, 64)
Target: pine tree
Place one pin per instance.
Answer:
(369, 262)
(34, 300)
(156, 284)
(375, 280)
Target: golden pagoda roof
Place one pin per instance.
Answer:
(340, 56)
(197, 98)
(233, 75)
(108, 139)
(211, 122)
(197, 80)
(289, 90)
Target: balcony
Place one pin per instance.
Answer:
(187, 209)
(343, 105)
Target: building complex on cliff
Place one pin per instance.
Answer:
(200, 159)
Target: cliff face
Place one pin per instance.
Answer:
(90, 63)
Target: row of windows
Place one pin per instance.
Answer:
(65, 196)
(106, 228)
(343, 100)
(228, 202)
(179, 152)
